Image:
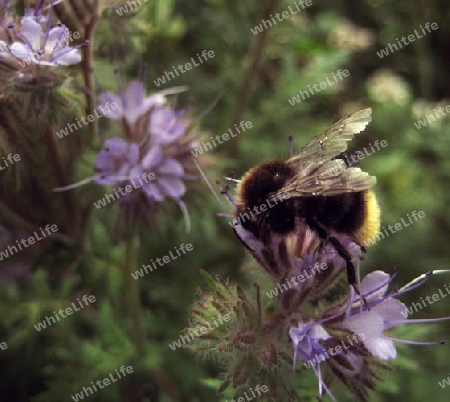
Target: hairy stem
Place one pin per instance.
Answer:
(87, 73)
(133, 299)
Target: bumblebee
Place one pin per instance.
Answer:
(281, 203)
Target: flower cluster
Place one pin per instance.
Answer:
(339, 331)
(352, 338)
(155, 143)
(152, 154)
(32, 46)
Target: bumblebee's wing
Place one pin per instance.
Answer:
(333, 141)
(326, 178)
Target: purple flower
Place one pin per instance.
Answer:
(169, 174)
(132, 102)
(379, 313)
(358, 328)
(166, 125)
(32, 51)
(145, 115)
(43, 45)
(120, 162)
(311, 313)
(152, 157)
(306, 340)
(115, 161)
(372, 323)
(154, 173)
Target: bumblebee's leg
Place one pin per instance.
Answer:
(343, 252)
(340, 249)
(352, 278)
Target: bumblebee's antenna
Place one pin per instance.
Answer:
(208, 183)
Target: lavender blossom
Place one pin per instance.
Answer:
(380, 313)
(33, 49)
(120, 162)
(156, 132)
(43, 45)
(152, 155)
(143, 115)
(132, 102)
(115, 161)
(351, 336)
(306, 339)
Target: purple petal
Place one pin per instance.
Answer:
(373, 281)
(152, 158)
(106, 99)
(305, 346)
(116, 145)
(133, 153)
(319, 332)
(383, 348)
(296, 335)
(153, 192)
(113, 176)
(32, 32)
(165, 127)
(306, 340)
(116, 157)
(22, 51)
(390, 310)
(172, 187)
(136, 105)
(45, 63)
(155, 100)
(371, 325)
(171, 168)
(134, 96)
(133, 102)
(56, 39)
(68, 57)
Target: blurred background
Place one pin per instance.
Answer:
(256, 76)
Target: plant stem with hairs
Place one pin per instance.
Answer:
(133, 298)
(86, 67)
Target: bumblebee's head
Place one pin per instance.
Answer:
(265, 179)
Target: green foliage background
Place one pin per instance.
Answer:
(413, 173)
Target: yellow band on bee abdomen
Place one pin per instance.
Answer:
(371, 226)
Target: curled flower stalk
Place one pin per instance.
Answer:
(35, 51)
(35, 40)
(141, 169)
(310, 320)
(352, 339)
